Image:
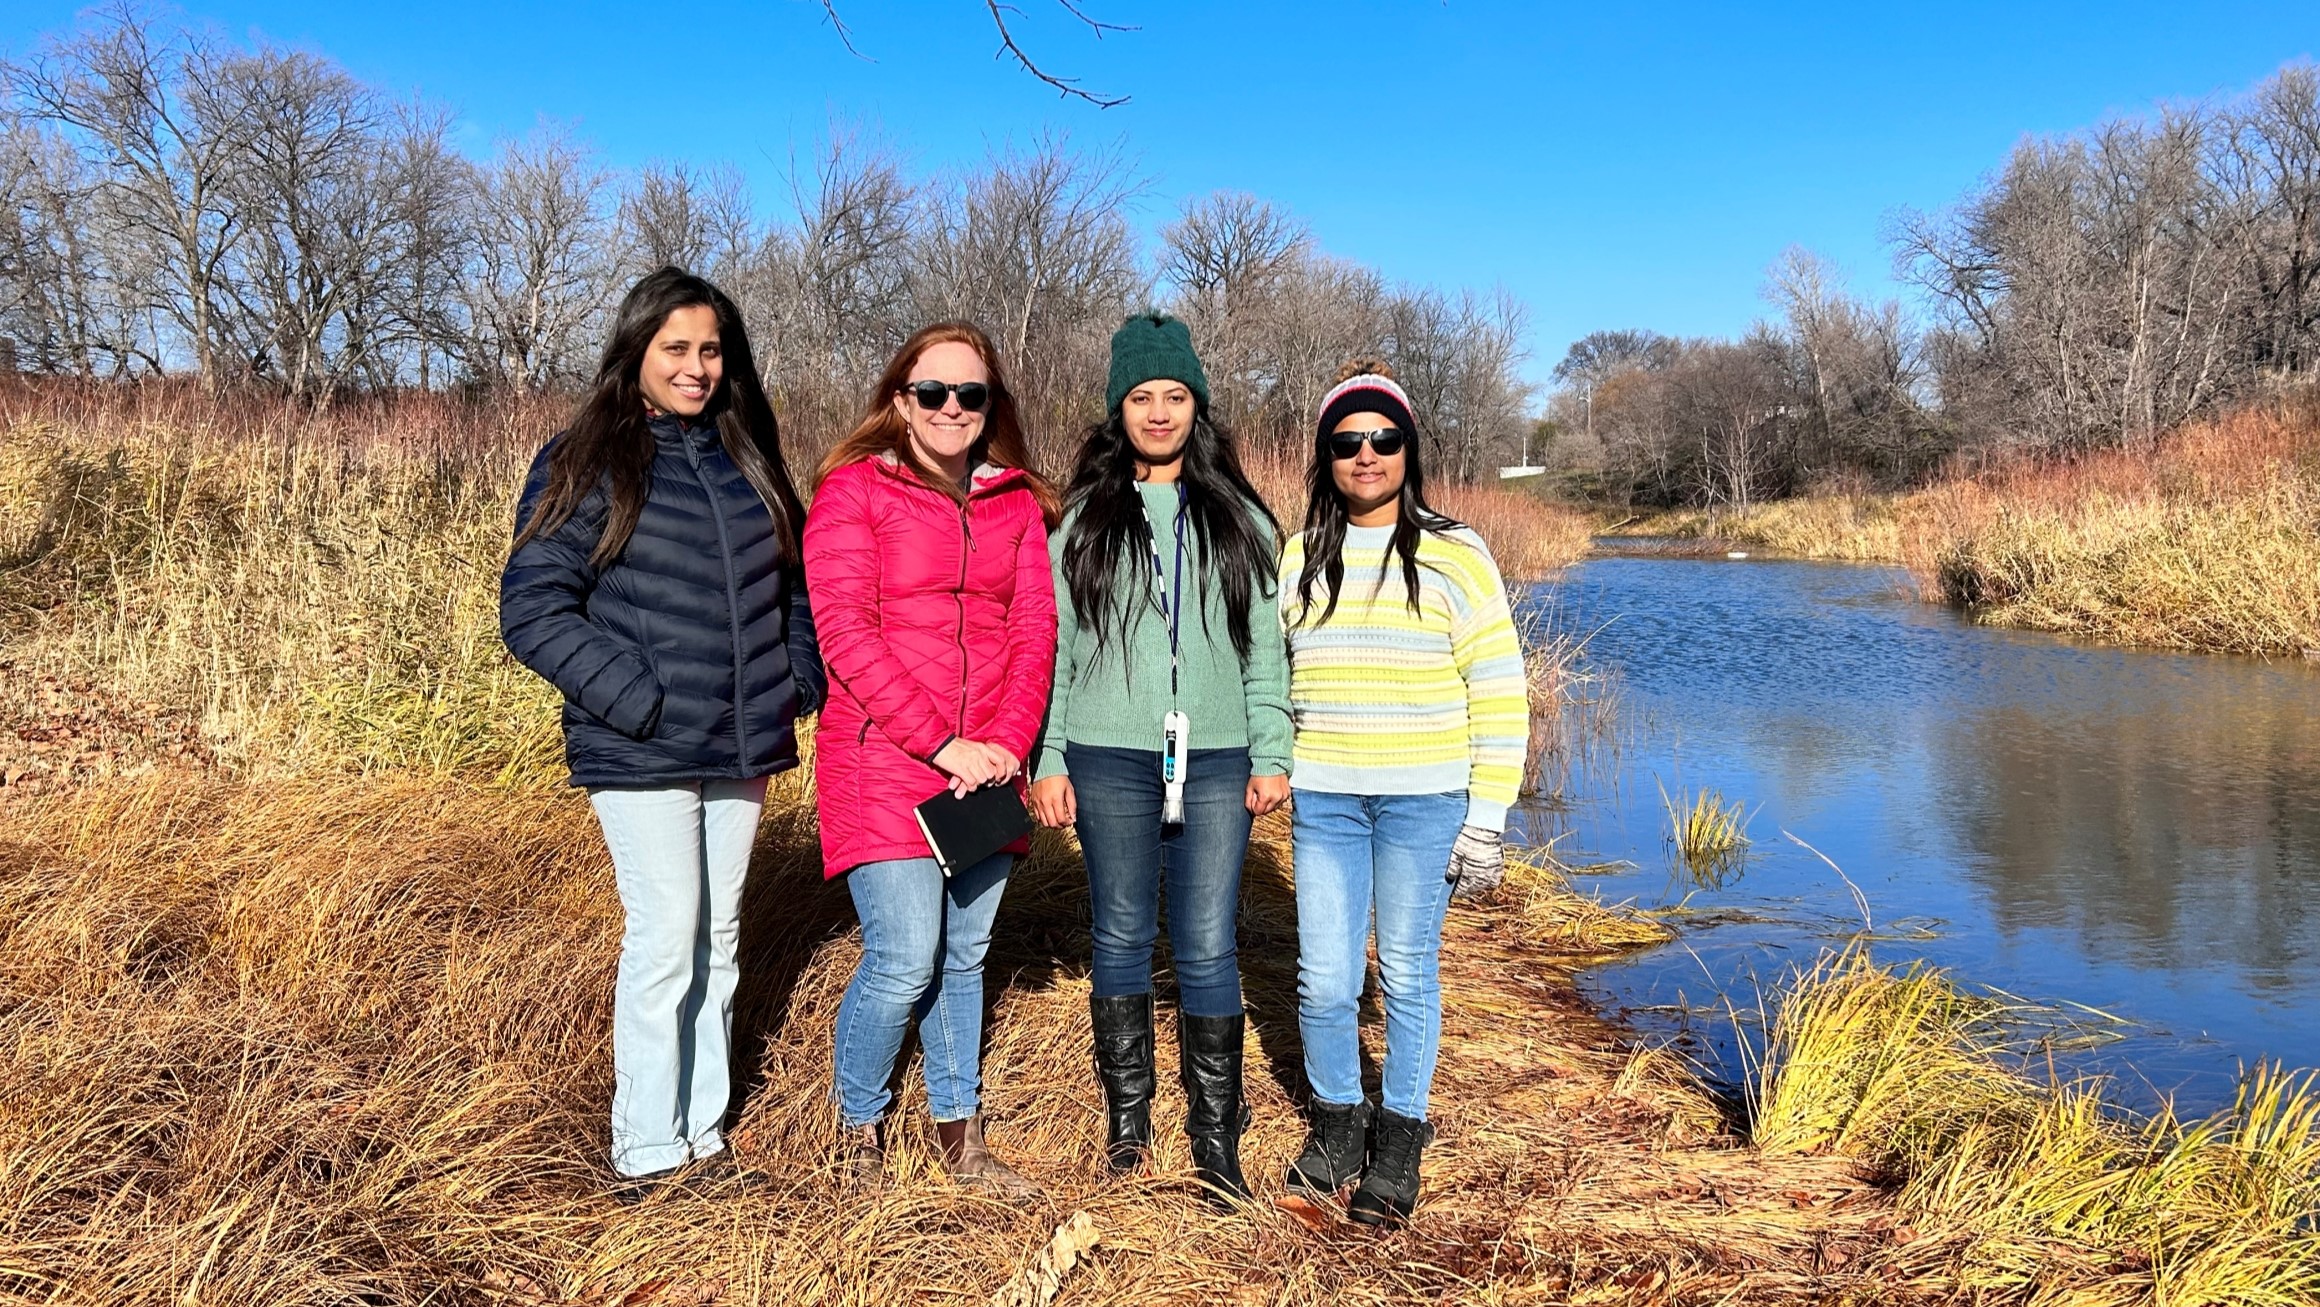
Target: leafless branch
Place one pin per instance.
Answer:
(845, 33)
(1067, 85)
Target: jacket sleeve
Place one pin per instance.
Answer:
(1265, 680)
(1030, 642)
(543, 617)
(805, 647)
(841, 549)
(1049, 761)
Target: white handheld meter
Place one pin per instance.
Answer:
(1175, 757)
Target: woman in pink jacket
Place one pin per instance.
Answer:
(927, 545)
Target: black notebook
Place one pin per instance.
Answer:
(963, 832)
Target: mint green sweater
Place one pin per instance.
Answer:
(1231, 705)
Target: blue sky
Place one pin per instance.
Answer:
(1613, 167)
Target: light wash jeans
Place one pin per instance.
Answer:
(1360, 855)
(679, 854)
(923, 941)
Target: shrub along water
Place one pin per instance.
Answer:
(2207, 539)
(2030, 1190)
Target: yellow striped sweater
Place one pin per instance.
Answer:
(1390, 701)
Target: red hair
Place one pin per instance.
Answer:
(882, 430)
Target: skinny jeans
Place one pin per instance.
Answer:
(1362, 857)
(679, 856)
(923, 941)
(1130, 855)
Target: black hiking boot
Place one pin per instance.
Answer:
(1389, 1190)
(1336, 1145)
(1123, 1029)
(1214, 1115)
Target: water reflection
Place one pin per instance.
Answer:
(2138, 831)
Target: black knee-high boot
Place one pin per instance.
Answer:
(1214, 1114)
(1123, 1029)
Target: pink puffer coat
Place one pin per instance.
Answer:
(936, 621)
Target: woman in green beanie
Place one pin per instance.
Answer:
(1167, 731)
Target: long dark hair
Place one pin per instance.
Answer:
(883, 431)
(1326, 513)
(609, 444)
(1110, 530)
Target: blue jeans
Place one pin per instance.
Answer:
(1128, 852)
(923, 941)
(679, 855)
(1358, 855)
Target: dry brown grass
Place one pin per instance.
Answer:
(345, 1041)
(306, 964)
(2208, 540)
(1855, 526)
(307, 592)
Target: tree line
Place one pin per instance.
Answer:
(2093, 291)
(172, 203)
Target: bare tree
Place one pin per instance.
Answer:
(539, 279)
(158, 116)
(312, 211)
(1228, 257)
(412, 308)
(1035, 246)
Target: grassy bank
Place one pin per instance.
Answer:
(2018, 1189)
(1858, 527)
(336, 1041)
(2208, 540)
(306, 958)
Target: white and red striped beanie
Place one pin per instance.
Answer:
(1366, 393)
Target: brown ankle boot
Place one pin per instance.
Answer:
(861, 1155)
(970, 1162)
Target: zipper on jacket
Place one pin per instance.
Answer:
(966, 548)
(732, 604)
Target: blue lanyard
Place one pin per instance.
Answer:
(1173, 611)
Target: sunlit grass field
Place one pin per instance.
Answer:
(305, 954)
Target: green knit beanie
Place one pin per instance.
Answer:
(1149, 346)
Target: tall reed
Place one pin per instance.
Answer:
(2209, 539)
(2035, 1191)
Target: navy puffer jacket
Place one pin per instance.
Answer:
(691, 655)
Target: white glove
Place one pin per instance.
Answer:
(1477, 862)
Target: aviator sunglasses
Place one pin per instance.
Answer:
(1387, 441)
(932, 394)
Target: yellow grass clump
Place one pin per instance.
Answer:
(2208, 540)
(1707, 831)
(2032, 1191)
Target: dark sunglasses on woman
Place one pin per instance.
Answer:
(931, 395)
(1387, 441)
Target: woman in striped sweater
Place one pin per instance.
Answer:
(1406, 689)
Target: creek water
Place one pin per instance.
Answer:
(2133, 831)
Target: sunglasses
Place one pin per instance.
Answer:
(1387, 441)
(932, 395)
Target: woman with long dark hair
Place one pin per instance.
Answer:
(1165, 587)
(654, 581)
(1406, 683)
(928, 547)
